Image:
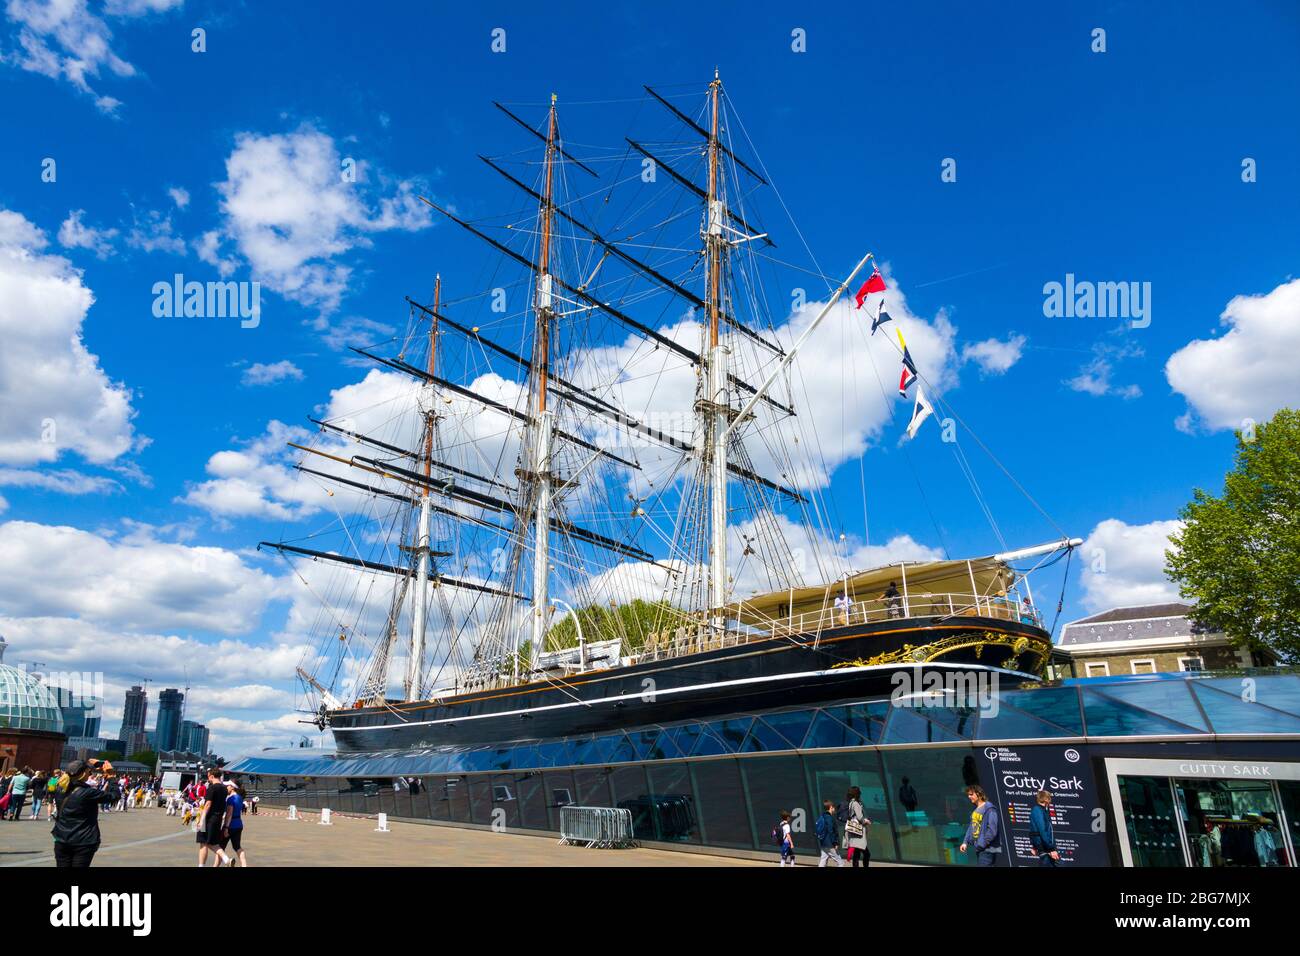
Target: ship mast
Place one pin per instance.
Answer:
(420, 599)
(715, 405)
(542, 420)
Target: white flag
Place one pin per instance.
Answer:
(920, 412)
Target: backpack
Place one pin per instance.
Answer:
(778, 838)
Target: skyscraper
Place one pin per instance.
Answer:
(168, 731)
(134, 712)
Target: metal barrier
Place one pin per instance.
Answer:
(600, 827)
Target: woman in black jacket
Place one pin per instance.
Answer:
(76, 829)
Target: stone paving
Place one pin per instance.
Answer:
(151, 838)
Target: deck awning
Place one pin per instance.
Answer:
(922, 578)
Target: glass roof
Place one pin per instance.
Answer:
(1251, 703)
(26, 703)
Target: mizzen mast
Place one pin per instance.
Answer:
(420, 599)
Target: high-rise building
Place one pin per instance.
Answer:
(167, 733)
(134, 712)
(193, 737)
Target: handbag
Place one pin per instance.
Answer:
(854, 828)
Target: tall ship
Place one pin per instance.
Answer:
(578, 494)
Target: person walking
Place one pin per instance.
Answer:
(856, 825)
(235, 824)
(18, 792)
(6, 784)
(37, 791)
(785, 838)
(76, 829)
(212, 820)
(1041, 836)
(983, 833)
(828, 835)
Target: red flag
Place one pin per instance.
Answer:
(876, 283)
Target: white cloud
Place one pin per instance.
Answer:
(1095, 375)
(256, 480)
(179, 196)
(63, 39)
(994, 357)
(54, 394)
(152, 231)
(1249, 371)
(66, 481)
(290, 214)
(1123, 564)
(138, 583)
(268, 374)
(74, 234)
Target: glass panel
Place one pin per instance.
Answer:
(505, 800)
(559, 791)
(457, 791)
(1231, 713)
(664, 748)
(1231, 822)
(866, 719)
(731, 732)
(793, 725)
(629, 787)
(553, 754)
(593, 788)
(1111, 712)
(826, 731)
(762, 737)
(532, 801)
(480, 800)
(1055, 705)
(1012, 723)
(773, 784)
(907, 725)
(439, 802)
(829, 778)
(673, 803)
(1148, 807)
(927, 799)
(720, 799)
(615, 748)
(643, 741)
(586, 751)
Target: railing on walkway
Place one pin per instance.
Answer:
(600, 827)
(692, 640)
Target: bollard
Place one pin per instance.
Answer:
(325, 817)
(293, 812)
(383, 824)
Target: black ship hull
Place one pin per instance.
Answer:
(860, 660)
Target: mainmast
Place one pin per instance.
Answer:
(715, 404)
(421, 597)
(542, 420)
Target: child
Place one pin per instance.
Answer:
(828, 835)
(785, 838)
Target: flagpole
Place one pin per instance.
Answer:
(789, 356)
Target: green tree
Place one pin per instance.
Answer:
(633, 622)
(1237, 557)
(146, 757)
(109, 755)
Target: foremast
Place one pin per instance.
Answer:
(715, 406)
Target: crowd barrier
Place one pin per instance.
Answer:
(596, 826)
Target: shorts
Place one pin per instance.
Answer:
(235, 836)
(210, 835)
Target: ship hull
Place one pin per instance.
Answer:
(841, 663)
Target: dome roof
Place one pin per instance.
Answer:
(26, 703)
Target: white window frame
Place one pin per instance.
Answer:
(1182, 661)
(1149, 661)
(1089, 665)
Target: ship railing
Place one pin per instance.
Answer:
(697, 638)
(903, 607)
(603, 827)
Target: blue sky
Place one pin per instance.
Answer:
(1123, 165)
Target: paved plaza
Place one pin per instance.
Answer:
(151, 838)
